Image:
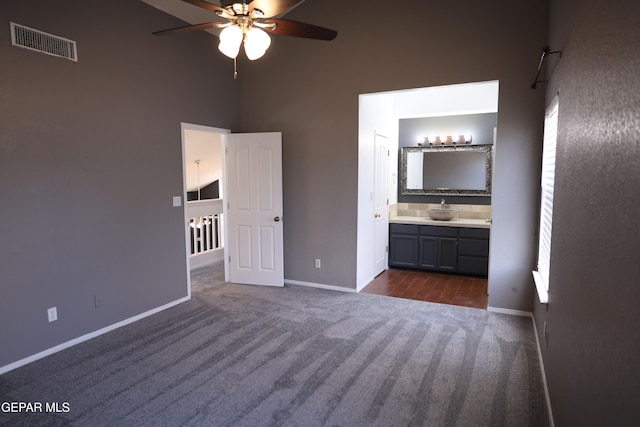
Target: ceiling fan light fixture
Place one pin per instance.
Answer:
(256, 43)
(230, 41)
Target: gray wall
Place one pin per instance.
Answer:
(309, 90)
(592, 362)
(90, 157)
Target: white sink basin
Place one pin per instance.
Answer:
(442, 214)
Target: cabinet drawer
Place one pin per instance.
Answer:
(404, 229)
(434, 230)
(473, 247)
(475, 233)
(473, 265)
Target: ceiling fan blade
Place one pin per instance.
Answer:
(205, 5)
(187, 28)
(273, 7)
(299, 29)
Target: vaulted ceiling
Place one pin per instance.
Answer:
(190, 13)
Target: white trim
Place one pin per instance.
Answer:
(543, 293)
(509, 312)
(544, 376)
(319, 285)
(87, 337)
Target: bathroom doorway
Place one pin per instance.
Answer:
(382, 112)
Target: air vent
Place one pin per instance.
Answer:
(40, 41)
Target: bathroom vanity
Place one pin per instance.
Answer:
(457, 246)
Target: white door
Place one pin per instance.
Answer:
(254, 210)
(381, 213)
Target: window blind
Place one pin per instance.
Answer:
(541, 276)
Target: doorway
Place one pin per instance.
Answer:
(233, 208)
(203, 182)
(384, 110)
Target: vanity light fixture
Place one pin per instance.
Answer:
(445, 140)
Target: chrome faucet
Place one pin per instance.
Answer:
(442, 204)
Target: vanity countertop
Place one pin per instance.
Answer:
(455, 222)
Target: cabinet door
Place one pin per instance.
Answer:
(447, 253)
(428, 252)
(403, 250)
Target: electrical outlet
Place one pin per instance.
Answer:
(317, 264)
(97, 301)
(177, 201)
(52, 314)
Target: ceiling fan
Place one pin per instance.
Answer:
(249, 22)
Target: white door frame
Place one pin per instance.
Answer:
(208, 129)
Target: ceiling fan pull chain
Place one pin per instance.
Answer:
(235, 69)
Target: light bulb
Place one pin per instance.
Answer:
(467, 138)
(256, 43)
(230, 41)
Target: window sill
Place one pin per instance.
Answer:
(543, 293)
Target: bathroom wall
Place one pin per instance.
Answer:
(480, 126)
(470, 211)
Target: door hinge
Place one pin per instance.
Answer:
(229, 259)
(387, 248)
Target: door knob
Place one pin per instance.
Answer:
(276, 219)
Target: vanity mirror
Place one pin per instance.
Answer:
(446, 170)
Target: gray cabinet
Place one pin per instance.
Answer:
(439, 248)
(473, 251)
(403, 245)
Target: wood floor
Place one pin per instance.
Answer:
(432, 287)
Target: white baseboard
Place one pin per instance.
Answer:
(86, 337)
(319, 285)
(510, 312)
(544, 375)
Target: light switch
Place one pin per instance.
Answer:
(177, 201)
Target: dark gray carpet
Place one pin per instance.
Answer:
(251, 356)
